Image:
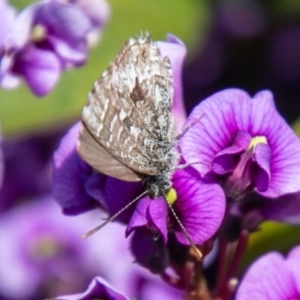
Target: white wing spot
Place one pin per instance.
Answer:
(122, 115)
(103, 113)
(99, 129)
(134, 131)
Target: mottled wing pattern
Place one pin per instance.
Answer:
(94, 154)
(128, 112)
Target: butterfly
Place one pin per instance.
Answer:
(127, 130)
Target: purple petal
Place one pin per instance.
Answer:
(157, 290)
(284, 145)
(95, 185)
(7, 62)
(99, 288)
(283, 209)
(268, 278)
(225, 160)
(158, 212)
(139, 217)
(229, 111)
(118, 194)
(294, 255)
(20, 31)
(97, 11)
(9, 81)
(263, 157)
(69, 176)
(293, 262)
(200, 206)
(40, 68)
(175, 50)
(7, 16)
(69, 55)
(215, 126)
(150, 212)
(65, 21)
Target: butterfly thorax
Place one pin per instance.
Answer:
(157, 185)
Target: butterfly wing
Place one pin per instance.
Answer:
(95, 155)
(128, 112)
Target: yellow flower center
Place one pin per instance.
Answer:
(257, 140)
(44, 247)
(38, 33)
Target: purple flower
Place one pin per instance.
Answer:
(43, 253)
(44, 39)
(244, 143)
(199, 206)
(272, 277)
(98, 289)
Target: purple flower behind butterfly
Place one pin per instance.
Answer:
(200, 204)
(72, 177)
(44, 39)
(75, 186)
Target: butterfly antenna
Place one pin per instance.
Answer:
(114, 216)
(198, 252)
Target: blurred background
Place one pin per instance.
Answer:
(249, 44)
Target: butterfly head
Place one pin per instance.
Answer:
(157, 185)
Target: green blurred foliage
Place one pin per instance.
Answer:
(21, 112)
(271, 236)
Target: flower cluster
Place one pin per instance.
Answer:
(78, 188)
(46, 38)
(240, 157)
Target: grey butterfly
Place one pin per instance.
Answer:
(127, 130)
(127, 120)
